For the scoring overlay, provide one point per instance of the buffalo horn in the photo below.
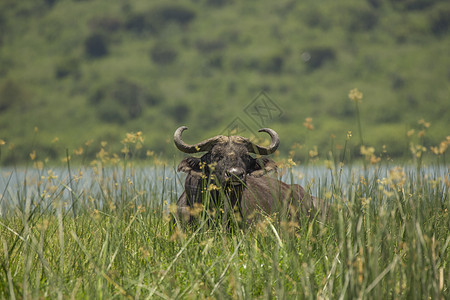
(205, 145)
(254, 148)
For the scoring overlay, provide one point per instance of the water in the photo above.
(86, 186)
(20, 187)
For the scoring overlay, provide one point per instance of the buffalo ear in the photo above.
(189, 164)
(261, 166)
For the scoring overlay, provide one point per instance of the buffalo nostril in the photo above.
(235, 172)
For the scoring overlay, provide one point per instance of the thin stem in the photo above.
(358, 119)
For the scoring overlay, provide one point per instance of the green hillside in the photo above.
(95, 70)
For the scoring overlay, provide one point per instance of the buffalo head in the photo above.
(228, 160)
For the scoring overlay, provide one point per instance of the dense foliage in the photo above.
(81, 70)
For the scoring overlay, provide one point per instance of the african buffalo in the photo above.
(234, 174)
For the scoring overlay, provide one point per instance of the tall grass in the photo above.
(387, 237)
(107, 231)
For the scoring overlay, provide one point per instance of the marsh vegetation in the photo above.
(106, 230)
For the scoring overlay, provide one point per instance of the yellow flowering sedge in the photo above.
(308, 124)
(355, 95)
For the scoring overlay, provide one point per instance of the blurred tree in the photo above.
(219, 3)
(413, 4)
(207, 46)
(155, 20)
(69, 66)
(440, 20)
(10, 93)
(121, 101)
(361, 19)
(163, 54)
(315, 57)
(174, 13)
(179, 112)
(95, 45)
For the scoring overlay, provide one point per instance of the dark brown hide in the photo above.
(270, 195)
(241, 181)
(259, 194)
